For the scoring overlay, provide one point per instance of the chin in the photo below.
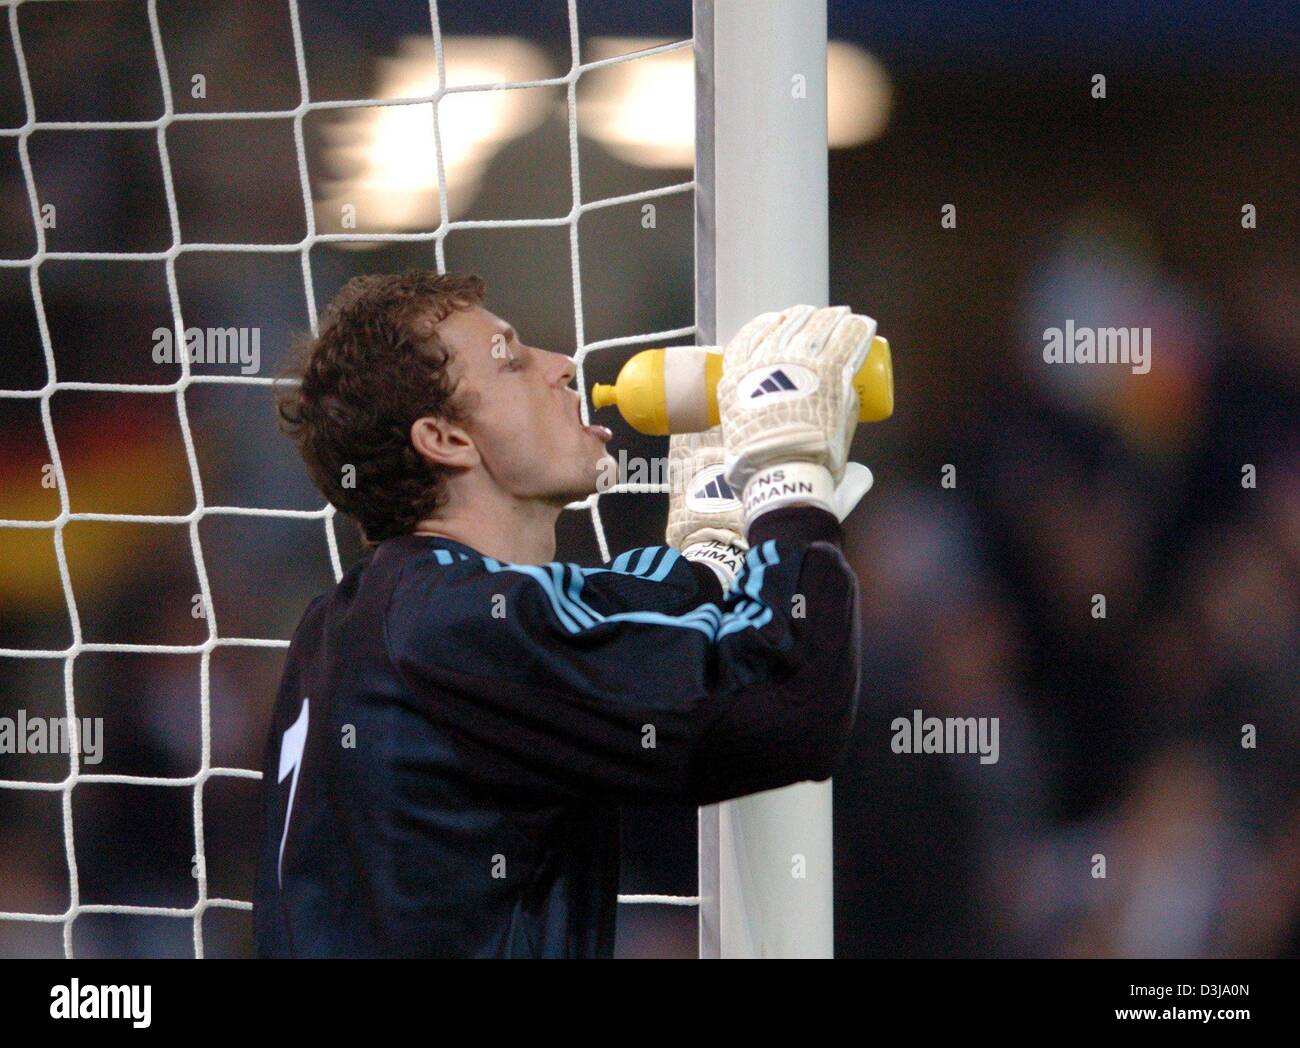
(596, 477)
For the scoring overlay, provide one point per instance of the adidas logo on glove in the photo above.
(710, 492)
(768, 385)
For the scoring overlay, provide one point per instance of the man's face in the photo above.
(523, 414)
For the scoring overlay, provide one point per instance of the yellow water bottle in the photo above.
(675, 390)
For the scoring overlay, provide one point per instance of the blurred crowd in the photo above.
(1009, 492)
(1162, 737)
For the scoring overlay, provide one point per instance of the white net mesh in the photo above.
(178, 389)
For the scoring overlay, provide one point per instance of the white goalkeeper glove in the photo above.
(705, 518)
(788, 407)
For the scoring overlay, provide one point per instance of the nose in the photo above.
(568, 369)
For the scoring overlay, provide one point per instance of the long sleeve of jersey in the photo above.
(640, 680)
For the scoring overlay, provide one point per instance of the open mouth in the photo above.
(601, 433)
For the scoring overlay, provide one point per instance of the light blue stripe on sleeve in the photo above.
(575, 614)
(563, 610)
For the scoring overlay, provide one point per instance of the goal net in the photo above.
(402, 174)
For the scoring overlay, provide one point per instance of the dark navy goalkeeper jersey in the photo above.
(453, 735)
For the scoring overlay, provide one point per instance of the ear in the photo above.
(443, 443)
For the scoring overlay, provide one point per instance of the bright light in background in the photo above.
(859, 97)
(643, 111)
(382, 159)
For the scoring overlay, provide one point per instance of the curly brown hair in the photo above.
(348, 397)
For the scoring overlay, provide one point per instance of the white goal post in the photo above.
(761, 243)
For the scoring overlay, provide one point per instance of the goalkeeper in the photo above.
(461, 716)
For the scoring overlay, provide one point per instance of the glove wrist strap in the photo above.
(723, 559)
(788, 484)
